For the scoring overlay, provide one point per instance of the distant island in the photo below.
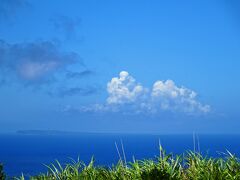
(57, 132)
(46, 132)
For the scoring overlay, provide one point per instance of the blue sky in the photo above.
(120, 66)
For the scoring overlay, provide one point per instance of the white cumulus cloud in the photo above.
(124, 89)
(163, 96)
(125, 94)
(167, 96)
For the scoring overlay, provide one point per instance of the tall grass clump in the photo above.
(192, 166)
(2, 174)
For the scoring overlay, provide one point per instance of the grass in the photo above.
(192, 166)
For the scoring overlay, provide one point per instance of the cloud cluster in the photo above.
(35, 62)
(41, 63)
(125, 94)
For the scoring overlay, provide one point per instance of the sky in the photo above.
(137, 66)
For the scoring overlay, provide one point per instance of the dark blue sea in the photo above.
(21, 153)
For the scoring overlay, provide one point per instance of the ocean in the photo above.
(22, 153)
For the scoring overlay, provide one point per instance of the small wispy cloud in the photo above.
(82, 74)
(8, 8)
(74, 91)
(68, 26)
(125, 94)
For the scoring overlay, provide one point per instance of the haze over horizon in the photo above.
(120, 66)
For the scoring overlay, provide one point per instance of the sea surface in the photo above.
(24, 153)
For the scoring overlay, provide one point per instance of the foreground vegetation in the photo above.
(192, 166)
